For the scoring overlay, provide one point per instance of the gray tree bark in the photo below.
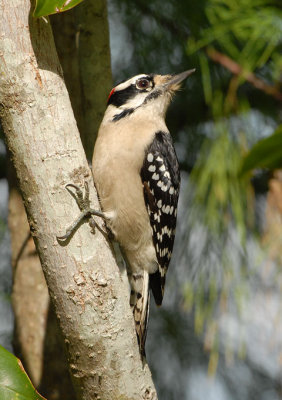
(37, 338)
(87, 289)
(82, 41)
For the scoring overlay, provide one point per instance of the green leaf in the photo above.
(14, 382)
(47, 7)
(267, 153)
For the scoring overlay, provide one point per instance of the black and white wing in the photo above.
(161, 180)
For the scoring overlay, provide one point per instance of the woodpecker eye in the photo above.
(143, 83)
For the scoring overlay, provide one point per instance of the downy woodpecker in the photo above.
(136, 174)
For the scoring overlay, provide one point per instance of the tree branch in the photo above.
(236, 69)
(82, 41)
(214, 55)
(88, 291)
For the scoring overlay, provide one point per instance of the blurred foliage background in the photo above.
(218, 335)
(223, 300)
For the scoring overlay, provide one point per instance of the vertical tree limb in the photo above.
(81, 36)
(89, 294)
(82, 41)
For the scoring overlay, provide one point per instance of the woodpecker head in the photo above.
(143, 93)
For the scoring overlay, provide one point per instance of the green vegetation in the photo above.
(14, 382)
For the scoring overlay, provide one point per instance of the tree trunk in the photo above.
(82, 40)
(88, 292)
(81, 35)
(36, 335)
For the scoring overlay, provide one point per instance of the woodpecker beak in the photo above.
(173, 81)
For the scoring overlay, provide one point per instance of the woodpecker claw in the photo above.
(83, 203)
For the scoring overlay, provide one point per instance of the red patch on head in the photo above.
(111, 93)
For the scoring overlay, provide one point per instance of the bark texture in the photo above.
(88, 291)
(37, 339)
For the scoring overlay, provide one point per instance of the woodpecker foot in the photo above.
(83, 203)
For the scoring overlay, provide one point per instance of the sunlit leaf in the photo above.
(267, 153)
(47, 7)
(14, 382)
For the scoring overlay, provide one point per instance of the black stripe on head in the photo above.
(120, 97)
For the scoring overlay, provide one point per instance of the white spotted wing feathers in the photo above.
(161, 180)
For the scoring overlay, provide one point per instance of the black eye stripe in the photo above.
(121, 97)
